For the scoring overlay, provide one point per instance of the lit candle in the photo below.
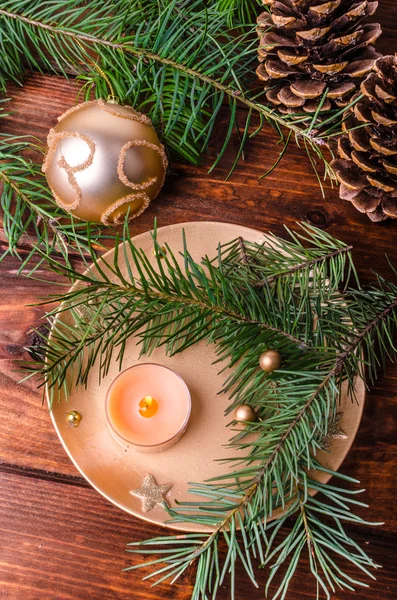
(148, 406)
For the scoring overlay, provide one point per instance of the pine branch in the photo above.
(326, 541)
(366, 332)
(233, 93)
(29, 210)
(170, 297)
(304, 265)
(311, 260)
(254, 486)
(239, 12)
(316, 524)
(367, 306)
(346, 363)
(181, 73)
(253, 492)
(210, 306)
(177, 303)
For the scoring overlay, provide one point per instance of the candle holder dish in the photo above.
(174, 403)
(116, 469)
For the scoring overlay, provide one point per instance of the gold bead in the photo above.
(104, 160)
(74, 418)
(270, 361)
(245, 413)
(161, 253)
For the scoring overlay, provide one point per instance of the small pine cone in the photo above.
(367, 169)
(307, 46)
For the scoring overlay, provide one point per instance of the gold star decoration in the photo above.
(151, 494)
(334, 432)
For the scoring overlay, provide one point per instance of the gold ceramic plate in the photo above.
(114, 470)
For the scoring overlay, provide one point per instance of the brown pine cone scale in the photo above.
(367, 167)
(310, 46)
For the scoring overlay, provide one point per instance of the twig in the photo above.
(244, 257)
(304, 265)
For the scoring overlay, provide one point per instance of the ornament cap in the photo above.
(113, 100)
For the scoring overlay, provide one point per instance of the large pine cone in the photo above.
(367, 169)
(307, 46)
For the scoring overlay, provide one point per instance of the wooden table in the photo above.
(59, 538)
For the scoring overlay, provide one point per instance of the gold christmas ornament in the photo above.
(245, 413)
(151, 494)
(270, 361)
(74, 418)
(102, 160)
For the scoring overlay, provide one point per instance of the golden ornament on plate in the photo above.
(104, 159)
(270, 361)
(151, 494)
(74, 418)
(161, 253)
(245, 413)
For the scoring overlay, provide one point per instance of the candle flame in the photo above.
(148, 406)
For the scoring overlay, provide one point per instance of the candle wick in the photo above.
(148, 400)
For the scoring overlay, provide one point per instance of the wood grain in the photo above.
(59, 538)
(74, 547)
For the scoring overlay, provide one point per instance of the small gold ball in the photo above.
(74, 418)
(245, 413)
(161, 253)
(270, 361)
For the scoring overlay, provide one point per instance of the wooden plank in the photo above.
(21, 406)
(68, 543)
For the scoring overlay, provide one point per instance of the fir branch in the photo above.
(255, 485)
(374, 312)
(181, 73)
(29, 210)
(328, 545)
(304, 265)
(311, 256)
(310, 508)
(211, 306)
(360, 338)
(239, 12)
(325, 541)
(253, 493)
(179, 302)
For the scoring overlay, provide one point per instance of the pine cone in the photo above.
(314, 45)
(367, 169)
